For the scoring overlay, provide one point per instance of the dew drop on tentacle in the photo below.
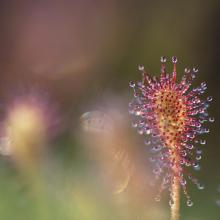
(174, 59)
(201, 120)
(193, 76)
(197, 167)
(206, 130)
(189, 146)
(136, 94)
(141, 67)
(140, 131)
(187, 163)
(147, 142)
(211, 119)
(187, 70)
(148, 131)
(134, 124)
(183, 181)
(209, 99)
(203, 142)
(203, 84)
(141, 123)
(183, 153)
(157, 198)
(132, 84)
(200, 186)
(182, 161)
(171, 202)
(163, 59)
(157, 148)
(195, 69)
(137, 112)
(198, 157)
(189, 202)
(199, 151)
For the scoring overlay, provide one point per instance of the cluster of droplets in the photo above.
(171, 116)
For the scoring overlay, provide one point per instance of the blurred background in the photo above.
(67, 148)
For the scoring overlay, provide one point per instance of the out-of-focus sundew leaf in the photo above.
(97, 122)
(105, 131)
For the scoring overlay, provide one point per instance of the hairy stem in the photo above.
(175, 207)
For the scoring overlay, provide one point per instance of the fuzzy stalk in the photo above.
(175, 207)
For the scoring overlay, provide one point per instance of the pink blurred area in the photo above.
(57, 39)
(60, 46)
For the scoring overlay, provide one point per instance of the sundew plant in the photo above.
(172, 116)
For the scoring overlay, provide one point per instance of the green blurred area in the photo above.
(83, 54)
